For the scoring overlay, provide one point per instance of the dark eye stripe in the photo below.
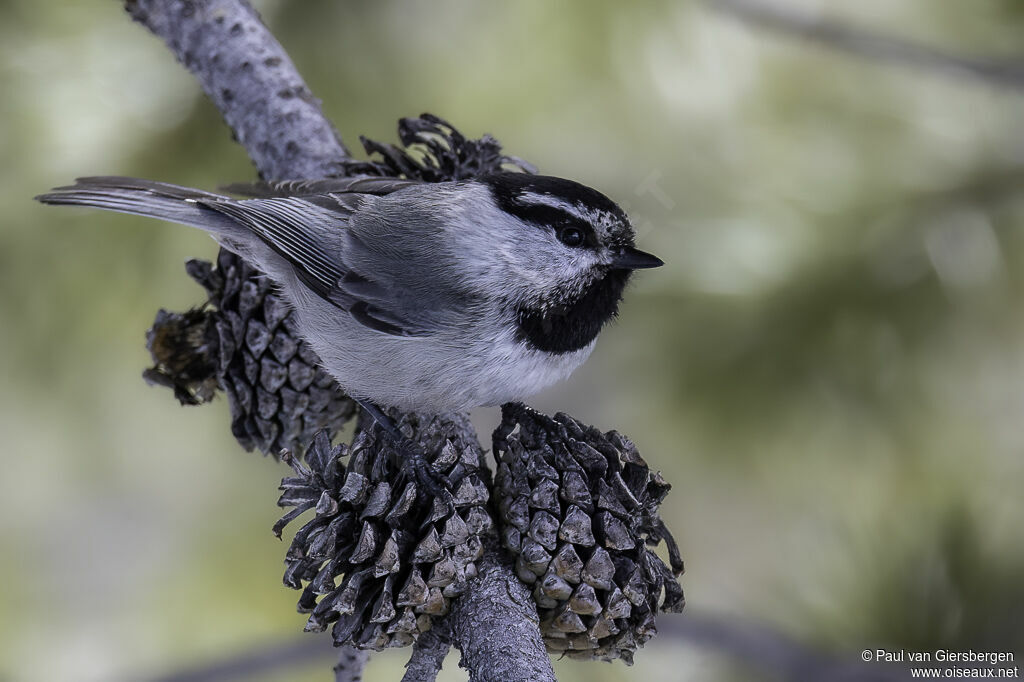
(509, 187)
(524, 196)
(549, 217)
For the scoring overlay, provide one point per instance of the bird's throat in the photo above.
(568, 328)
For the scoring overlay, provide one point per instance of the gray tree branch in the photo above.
(251, 80)
(264, 100)
(252, 664)
(428, 654)
(501, 605)
(868, 44)
(351, 662)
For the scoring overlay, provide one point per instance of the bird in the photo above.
(419, 296)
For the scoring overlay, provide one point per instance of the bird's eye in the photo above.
(571, 236)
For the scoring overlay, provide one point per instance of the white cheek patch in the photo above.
(511, 260)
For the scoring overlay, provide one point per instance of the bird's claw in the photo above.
(412, 460)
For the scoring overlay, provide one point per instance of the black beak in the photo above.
(629, 258)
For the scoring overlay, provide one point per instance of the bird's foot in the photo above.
(412, 461)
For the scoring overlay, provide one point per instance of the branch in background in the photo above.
(756, 646)
(428, 654)
(865, 43)
(250, 78)
(770, 652)
(255, 663)
(351, 662)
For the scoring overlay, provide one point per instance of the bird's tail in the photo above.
(145, 198)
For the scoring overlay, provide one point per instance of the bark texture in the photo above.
(496, 627)
(351, 662)
(428, 654)
(251, 79)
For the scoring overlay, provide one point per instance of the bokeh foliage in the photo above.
(830, 370)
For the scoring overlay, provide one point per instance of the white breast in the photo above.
(477, 365)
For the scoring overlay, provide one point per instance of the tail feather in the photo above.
(144, 198)
(268, 233)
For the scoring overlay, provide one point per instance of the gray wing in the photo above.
(306, 222)
(400, 264)
(354, 270)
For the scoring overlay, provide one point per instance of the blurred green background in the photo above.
(830, 370)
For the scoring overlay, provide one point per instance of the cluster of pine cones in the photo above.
(378, 560)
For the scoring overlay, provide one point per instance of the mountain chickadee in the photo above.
(420, 296)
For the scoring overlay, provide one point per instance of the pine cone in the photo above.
(245, 342)
(577, 508)
(401, 556)
(434, 151)
(184, 348)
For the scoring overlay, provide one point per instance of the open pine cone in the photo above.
(578, 509)
(433, 150)
(400, 555)
(244, 341)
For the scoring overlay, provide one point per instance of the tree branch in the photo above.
(264, 100)
(428, 653)
(864, 43)
(495, 626)
(250, 78)
(351, 662)
(768, 651)
(254, 663)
